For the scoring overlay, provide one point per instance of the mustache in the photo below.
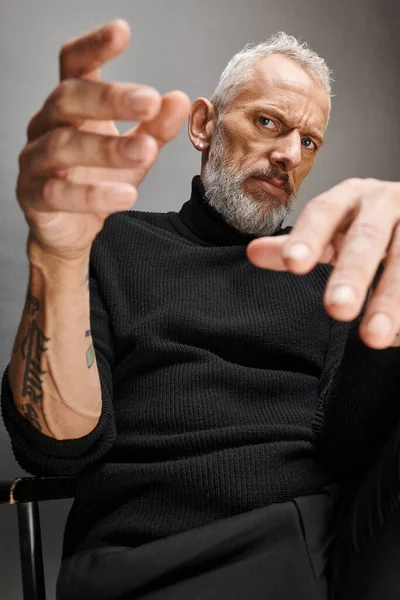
(271, 172)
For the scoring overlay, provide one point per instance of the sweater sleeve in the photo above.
(44, 456)
(359, 402)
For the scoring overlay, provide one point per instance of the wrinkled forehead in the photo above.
(282, 82)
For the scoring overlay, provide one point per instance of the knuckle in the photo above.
(57, 139)
(91, 194)
(64, 54)
(106, 152)
(49, 190)
(107, 95)
(320, 209)
(58, 102)
(382, 200)
(366, 229)
(352, 273)
(389, 296)
(324, 200)
(319, 201)
(111, 152)
(353, 181)
(23, 159)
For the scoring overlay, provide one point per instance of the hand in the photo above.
(355, 226)
(76, 169)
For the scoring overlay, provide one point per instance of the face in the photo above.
(264, 145)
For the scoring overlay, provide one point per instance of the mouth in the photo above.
(273, 186)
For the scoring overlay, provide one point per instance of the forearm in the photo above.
(53, 372)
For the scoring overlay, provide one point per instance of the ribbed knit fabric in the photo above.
(225, 387)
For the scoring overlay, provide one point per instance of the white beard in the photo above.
(226, 194)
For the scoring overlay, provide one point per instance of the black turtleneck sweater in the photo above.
(225, 387)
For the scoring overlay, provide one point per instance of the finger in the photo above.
(82, 57)
(56, 194)
(321, 218)
(163, 128)
(364, 246)
(381, 321)
(65, 147)
(166, 125)
(168, 122)
(75, 101)
(266, 253)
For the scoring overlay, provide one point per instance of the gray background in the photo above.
(183, 44)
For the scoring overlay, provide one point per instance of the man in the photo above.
(221, 416)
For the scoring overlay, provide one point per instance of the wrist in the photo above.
(57, 273)
(50, 260)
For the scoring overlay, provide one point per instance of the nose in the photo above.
(286, 152)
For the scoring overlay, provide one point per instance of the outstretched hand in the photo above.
(76, 169)
(355, 226)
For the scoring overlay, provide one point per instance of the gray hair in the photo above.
(240, 67)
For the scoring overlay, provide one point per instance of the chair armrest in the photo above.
(36, 489)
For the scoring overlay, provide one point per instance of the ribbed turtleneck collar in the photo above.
(200, 222)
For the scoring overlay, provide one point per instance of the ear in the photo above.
(202, 120)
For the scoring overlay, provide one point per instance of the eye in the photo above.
(266, 123)
(308, 143)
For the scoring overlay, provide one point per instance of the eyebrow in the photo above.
(276, 113)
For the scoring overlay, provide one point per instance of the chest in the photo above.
(214, 299)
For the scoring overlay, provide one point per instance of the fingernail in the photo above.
(132, 150)
(380, 324)
(343, 294)
(297, 251)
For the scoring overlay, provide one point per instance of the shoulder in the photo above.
(132, 225)
(135, 218)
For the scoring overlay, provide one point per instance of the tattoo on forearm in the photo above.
(30, 414)
(32, 349)
(90, 356)
(33, 304)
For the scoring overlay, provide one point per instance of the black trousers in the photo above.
(364, 561)
(339, 544)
